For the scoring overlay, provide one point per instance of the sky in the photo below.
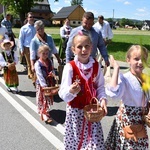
(129, 9)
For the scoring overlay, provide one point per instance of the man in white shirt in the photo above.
(3, 33)
(27, 33)
(104, 26)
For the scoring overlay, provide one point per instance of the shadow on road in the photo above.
(58, 115)
(28, 93)
(112, 110)
(57, 99)
(22, 72)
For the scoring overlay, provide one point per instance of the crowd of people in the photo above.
(82, 79)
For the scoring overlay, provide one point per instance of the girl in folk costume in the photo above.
(82, 79)
(43, 69)
(65, 33)
(127, 87)
(8, 60)
(41, 38)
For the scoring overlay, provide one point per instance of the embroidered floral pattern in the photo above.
(115, 139)
(73, 131)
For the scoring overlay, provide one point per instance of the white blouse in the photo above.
(128, 90)
(2, 60)
(67, 80)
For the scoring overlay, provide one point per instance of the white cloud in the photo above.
(59, 3)
(93, 11)
(142, 12)
(67, 1)
(127, 3)
(56, 9)
(141, 9)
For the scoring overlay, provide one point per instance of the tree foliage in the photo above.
(20, 7)
(76, 2)
(125, 21)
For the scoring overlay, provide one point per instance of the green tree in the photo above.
(125, 21)
(20, 7)
(109, 20)
(76, 2)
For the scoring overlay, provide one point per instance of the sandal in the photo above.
(49, 120)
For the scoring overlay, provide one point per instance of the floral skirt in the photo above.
(43, 103)
(81, 134)
(11, 78)
(126, 115)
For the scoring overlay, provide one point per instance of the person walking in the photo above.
(65, 31)
(81, 81)
(41, 38)
(44, 69)
(8, 61)
(127, 88)
(7, 23)
(97, 40)
(27, 33)
(3, 33)
(104, 27)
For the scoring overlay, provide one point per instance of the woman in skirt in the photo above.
(128, 88)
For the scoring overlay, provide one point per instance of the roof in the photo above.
(65, 12)
(148, 22)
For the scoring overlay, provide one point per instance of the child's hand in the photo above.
(104, 105)
(75, 88)
(11, 66)
(50, 74)
(32, 68)
(113, 62)
(149, 113)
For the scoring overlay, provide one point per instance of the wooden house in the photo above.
(73, 13)
(43, 12)
(146, 25)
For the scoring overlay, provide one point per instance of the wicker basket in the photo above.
(50, 91)
(93, 112)
(11, 66)
(146, 119)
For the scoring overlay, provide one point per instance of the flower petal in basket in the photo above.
(93, 112)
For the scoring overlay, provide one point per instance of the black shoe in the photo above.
(8, 89)
(102, 66)
(49, 121)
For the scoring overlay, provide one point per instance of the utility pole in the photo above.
(4, 11)
(113, 14)
(113, 18)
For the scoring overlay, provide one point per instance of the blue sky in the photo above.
(131, 9)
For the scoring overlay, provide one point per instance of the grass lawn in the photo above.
(121, 43)
(122, 40)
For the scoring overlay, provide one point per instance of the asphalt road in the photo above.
(21, 127)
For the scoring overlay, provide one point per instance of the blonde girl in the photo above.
(82, 79)
(127, 88)
(43, 68)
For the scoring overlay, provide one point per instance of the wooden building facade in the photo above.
(73, 13)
